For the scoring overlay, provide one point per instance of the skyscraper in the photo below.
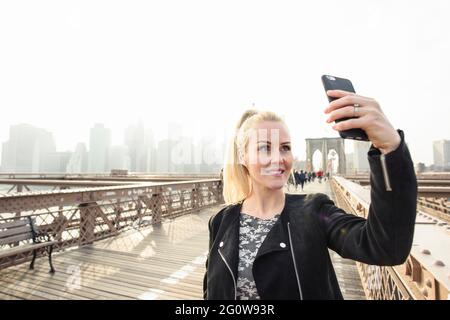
(56, 162)
(163, 164)
(151, 152)
(140, 143)
(78, 162)
(99, 144)
(166, 159)
(119, 158)
(26, 149)
(441, 154)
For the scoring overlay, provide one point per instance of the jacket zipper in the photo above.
(385, 173)
(295, 264)
(232, 275)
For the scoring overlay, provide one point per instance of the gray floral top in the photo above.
(252, 232)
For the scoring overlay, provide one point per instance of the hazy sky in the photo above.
(65, 65)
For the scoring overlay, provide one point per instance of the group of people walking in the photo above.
(302, 177)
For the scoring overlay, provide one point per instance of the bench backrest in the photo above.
(15, 231)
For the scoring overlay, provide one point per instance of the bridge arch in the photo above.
(325, 145)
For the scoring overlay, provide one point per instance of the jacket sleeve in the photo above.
(386, 237)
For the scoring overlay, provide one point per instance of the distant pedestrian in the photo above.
(296, 179)
(320, 175)
(302, 178)
(290, 181)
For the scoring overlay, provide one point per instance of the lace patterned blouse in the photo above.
(252, 232)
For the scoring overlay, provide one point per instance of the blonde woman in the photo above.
(266, 244)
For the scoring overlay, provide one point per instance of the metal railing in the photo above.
(28, 182)
(420, 277)
(438, 207)
(80, 217)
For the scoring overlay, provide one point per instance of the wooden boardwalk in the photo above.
(166, 262)
(155, 262)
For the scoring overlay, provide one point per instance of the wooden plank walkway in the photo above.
(165, 262)
(155, 262)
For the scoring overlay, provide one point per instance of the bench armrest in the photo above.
(42, 237)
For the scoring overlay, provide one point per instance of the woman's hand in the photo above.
(370, 118)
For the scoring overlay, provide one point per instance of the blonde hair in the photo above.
(237, 184)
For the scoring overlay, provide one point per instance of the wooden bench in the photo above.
(12, 233)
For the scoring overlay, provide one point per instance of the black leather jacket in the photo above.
(293, 262)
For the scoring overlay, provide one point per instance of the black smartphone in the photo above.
(336, 83)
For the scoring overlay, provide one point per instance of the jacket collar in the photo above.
(276, 240)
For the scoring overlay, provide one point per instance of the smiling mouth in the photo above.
(274, 172)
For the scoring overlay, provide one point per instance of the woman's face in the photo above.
(268, 157)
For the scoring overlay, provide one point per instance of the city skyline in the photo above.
(30, 148)
(69, 66)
